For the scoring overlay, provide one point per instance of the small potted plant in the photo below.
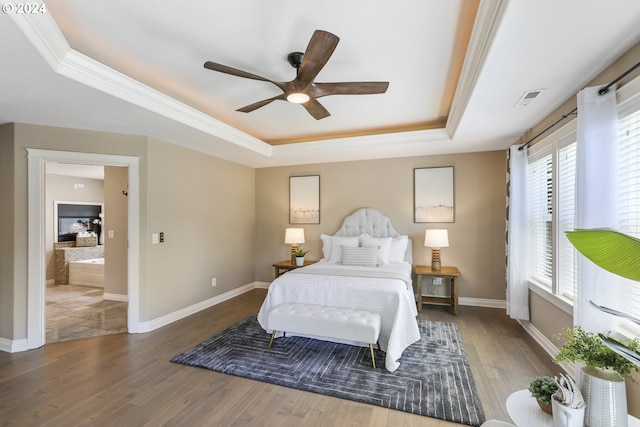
(542, 388)
(602, 376)
(299, 254)
(590, 350)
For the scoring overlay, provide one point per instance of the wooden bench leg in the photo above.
(273, 334)
(373, 356)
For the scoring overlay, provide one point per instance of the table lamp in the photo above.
(294, 236)
(436, 239)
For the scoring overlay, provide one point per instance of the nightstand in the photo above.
(451, 273)
(284, 266)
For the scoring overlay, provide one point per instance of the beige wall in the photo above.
(7, 206)
(476, 237)
(115, 220)
(204, 205)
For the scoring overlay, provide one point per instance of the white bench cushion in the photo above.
(329, 322)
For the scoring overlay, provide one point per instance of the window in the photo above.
(629, 203)
(566, 201)
(551, 183)
(551, 198)
(540, 199)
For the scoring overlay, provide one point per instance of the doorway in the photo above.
(36, 248)
(85, 251)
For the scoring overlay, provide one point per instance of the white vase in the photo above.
(564, 416)
(101, 237)
(299, 261)
(605, 393)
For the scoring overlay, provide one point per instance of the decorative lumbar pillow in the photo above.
(337, 243)
(398, 249)
(383, 244)
(366, 256)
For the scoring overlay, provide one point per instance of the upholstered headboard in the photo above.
(375, 224)
(367, 220)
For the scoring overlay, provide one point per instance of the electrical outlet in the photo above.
(437, 280)
(213, 282)
(154, 239)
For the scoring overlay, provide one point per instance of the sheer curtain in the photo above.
(596, 201)
(517, 258)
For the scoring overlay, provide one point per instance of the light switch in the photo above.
(155, 239)
(111, 234)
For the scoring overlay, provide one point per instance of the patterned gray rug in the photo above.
(434, 378)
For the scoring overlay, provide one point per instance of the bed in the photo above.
(366, 265)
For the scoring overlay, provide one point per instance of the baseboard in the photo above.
(115, 297)
(262, 285)
(546, 344)
(483, 302)
(188, 311)
(13, 346)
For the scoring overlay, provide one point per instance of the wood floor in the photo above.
(127, 380)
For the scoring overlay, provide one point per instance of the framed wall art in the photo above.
(304, 199)
(433, 195)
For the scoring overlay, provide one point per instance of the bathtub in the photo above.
(88, 272)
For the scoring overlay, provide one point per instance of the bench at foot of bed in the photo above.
(327, 322)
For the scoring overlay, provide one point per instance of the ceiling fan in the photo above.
(303, 90)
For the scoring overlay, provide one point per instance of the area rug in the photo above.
(434, 378)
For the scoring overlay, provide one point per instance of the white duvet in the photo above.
(392, 298)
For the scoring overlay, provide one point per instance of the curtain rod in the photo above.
(572, 112)
(603, 90)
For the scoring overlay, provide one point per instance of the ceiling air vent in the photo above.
(528, 97)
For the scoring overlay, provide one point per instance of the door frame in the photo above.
(36, 282)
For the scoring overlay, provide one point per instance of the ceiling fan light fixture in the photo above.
(298, 97)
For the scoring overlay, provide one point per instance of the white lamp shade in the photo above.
(293, 236)
(436, 239)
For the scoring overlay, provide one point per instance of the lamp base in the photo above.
(436, 265)
(294, 248)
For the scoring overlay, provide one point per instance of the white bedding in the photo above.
(392, 298)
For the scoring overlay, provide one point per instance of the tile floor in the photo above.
(74, 312)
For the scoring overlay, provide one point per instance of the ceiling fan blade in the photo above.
(319, 50)
(234, 72)
(256, 105)
(316, 109)
(349, 88)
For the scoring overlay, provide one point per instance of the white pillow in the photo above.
(326, 246)
(382, 243)
(366, 256)
(398, 249)
(336, 247)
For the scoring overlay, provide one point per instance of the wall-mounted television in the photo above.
(73, 218)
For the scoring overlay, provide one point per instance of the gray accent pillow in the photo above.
(366, 256)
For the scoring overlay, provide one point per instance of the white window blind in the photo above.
(565, 208)
(540, 184)
(629, 200)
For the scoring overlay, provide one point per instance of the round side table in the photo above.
(525, 412)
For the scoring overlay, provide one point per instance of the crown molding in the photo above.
(486, 25)
(398, 144)
(42, 31)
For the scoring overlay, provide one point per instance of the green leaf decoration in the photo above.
(609, 249)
